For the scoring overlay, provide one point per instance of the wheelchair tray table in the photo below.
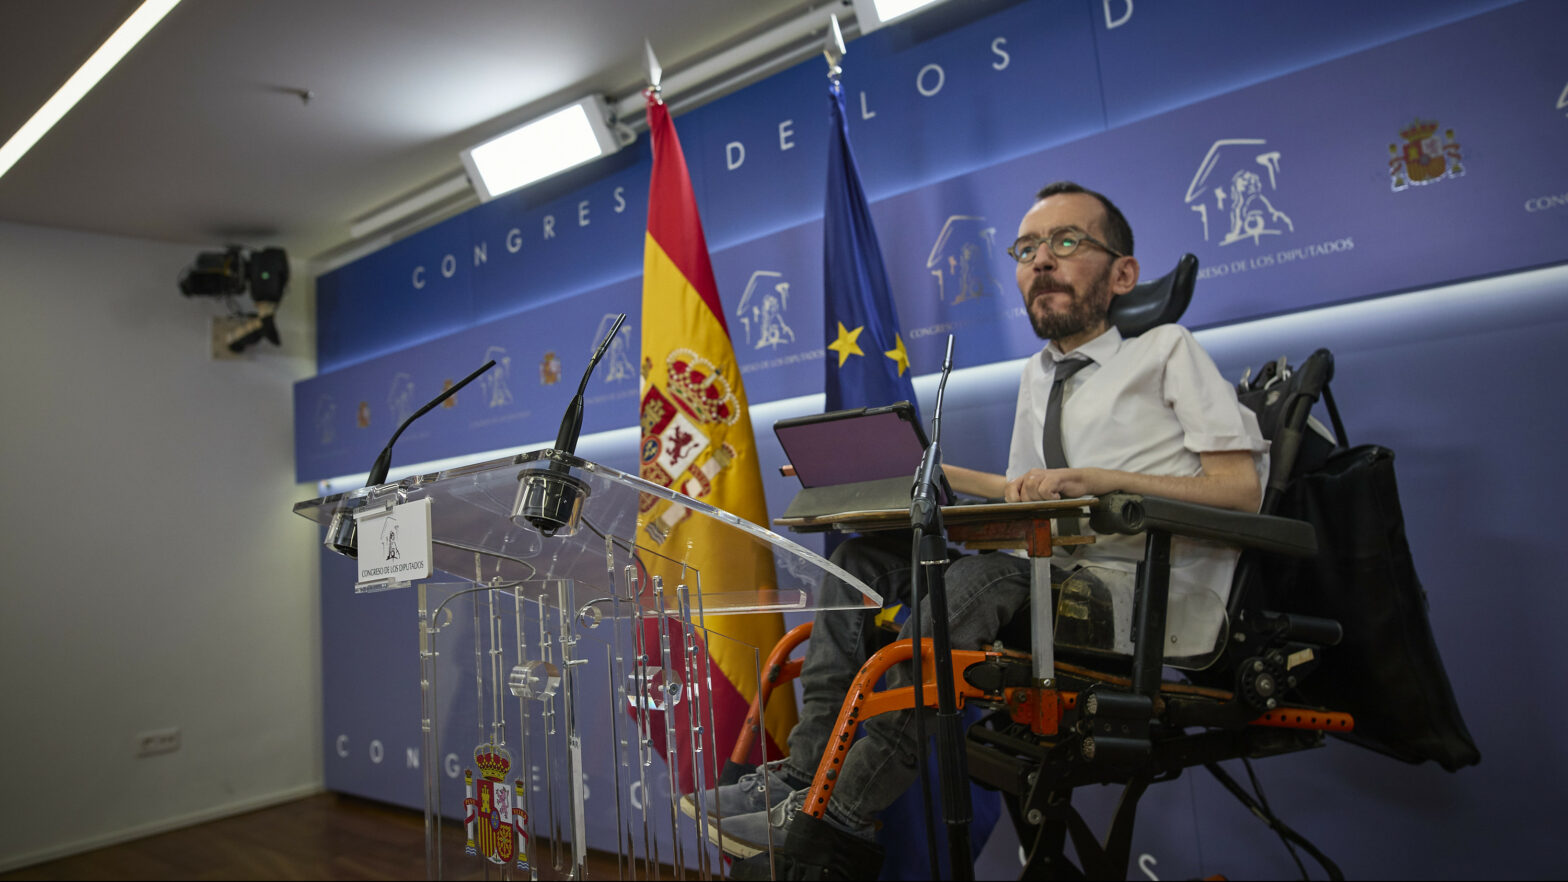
(1020, 525)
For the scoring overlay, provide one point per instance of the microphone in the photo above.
(342, 532)
(549, 499)
(930, 471)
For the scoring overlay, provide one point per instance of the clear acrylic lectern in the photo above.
(565, 650)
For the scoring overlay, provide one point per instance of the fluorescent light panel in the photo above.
(108, 55)
(546, 146)
(873, 14)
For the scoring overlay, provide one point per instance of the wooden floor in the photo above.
(328, 836)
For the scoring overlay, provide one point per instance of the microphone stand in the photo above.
(925, 515)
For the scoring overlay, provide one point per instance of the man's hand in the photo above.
(1038, 484)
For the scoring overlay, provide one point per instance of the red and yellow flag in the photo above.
(697, 439)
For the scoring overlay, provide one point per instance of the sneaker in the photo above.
(747, 795)
(812, 848)
(748, 835)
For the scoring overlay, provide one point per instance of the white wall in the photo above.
(153, 575)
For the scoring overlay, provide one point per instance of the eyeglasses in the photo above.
(1063, 243)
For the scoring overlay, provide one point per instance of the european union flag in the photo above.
(867, 364)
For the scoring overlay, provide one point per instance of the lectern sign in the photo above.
(394, 544)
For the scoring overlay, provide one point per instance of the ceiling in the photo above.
(204, 134)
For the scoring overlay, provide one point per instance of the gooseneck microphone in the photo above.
(378, 472)
(572, 422)
(550, 499)
(342, 532)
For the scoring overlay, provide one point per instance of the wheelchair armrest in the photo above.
(1135, 513)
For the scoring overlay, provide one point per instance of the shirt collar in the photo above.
(1098, 350)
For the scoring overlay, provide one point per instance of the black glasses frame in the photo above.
(1063, 243)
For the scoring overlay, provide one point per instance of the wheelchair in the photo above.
(1074, 720)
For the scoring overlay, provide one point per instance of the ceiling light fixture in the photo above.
(108, 55)
(559, 140)
(873, 14)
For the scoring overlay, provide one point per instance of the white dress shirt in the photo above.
(1150, 404)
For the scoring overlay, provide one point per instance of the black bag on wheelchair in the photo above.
(1387, 671)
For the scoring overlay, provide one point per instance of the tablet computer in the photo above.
(860, 444)
(861, 459)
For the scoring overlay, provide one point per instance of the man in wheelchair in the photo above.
(1096, 413)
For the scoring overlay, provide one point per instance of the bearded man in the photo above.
(1149, 415)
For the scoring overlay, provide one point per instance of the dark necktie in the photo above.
(1052, 437)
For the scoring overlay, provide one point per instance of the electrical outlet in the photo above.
(157, 741)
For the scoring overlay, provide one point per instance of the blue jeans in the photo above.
(983, 592)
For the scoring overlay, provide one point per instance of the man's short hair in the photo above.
(1118, 234)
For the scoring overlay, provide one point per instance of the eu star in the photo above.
(845, 345)
(899, 354)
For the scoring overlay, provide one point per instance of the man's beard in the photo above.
(1087, 309)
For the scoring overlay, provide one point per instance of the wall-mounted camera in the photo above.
(234, 272)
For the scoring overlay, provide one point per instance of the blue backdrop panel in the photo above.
(928, 100)
(1293, 193)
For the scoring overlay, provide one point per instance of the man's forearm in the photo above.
(1223, 491)
(1229, 480)
(973, 482)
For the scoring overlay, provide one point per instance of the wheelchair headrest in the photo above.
(1158, 302)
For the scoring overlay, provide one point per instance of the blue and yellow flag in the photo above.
(867, 364)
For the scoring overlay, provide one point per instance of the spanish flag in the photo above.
(697, 439)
